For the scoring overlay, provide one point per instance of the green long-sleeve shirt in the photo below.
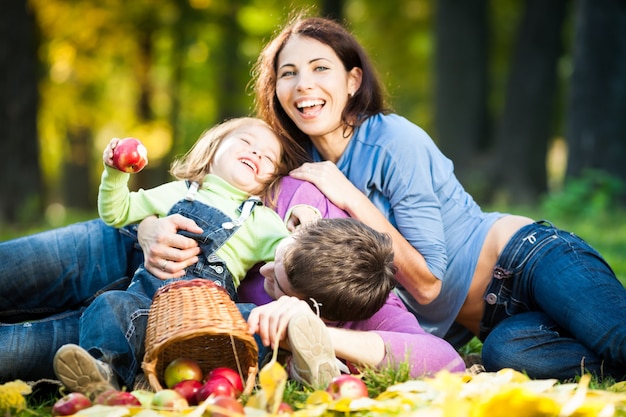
(254, 242)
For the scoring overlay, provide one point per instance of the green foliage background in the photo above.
(165, 70)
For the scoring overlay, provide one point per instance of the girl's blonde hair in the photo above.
(196, 163)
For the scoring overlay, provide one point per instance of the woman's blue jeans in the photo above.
(47, 280)
(554, 308)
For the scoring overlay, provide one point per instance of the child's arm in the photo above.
(113, 193)
(301, 214)
(118, 206)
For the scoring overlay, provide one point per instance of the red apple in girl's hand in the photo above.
(130, 155)
(70, 404)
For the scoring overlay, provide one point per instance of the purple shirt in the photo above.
(404, 338)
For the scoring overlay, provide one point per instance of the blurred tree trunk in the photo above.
(77, 189)
(20, 192)
(332, 9)
(526, 126)
(153, 175)
(461, 86)
(230, 67)
(596, 122)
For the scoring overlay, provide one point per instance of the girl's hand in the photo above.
(270, 321)
(302, 214)
(107, 155)
(166, 253)
(330, 180)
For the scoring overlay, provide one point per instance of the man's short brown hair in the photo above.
(342, 265)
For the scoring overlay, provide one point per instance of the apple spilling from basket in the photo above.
(186, 386)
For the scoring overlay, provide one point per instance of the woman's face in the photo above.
(313, 86)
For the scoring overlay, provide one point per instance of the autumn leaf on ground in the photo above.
(12, 395)
(272, 381)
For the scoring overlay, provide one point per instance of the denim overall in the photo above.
(217, 229)
(113, 327)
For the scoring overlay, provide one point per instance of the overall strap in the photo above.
(192, 190)
(245, 209)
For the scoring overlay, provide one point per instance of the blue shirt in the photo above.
(401, 170)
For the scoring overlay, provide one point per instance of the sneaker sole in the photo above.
(312, 350)
(79, 371)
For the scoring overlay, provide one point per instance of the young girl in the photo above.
(220, 181)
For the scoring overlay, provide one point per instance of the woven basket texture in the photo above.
(196, 319)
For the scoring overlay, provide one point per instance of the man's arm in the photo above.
(167, 253)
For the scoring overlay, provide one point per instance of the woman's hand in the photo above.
(166, 253)
(270, 321)
(330, 180)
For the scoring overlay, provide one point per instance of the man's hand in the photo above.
(270, 320)
(166, 253)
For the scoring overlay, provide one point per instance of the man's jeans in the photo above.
(554, 307)
(47, 280)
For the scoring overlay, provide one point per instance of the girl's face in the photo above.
(247, 157)
(313, 86)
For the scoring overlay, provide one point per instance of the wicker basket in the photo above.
(196, 319)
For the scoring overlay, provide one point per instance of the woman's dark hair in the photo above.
(368, 100)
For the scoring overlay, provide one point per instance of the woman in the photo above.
(540, 299)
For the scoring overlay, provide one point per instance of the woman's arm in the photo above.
(166, 253)
(413, 272)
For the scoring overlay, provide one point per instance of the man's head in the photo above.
(342, 265)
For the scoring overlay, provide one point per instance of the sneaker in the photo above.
(81, 372)
(313, 357)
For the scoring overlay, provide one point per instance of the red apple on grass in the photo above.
(130, 155)
(216, 386)
(230, 374)
(115, 397)
(188, 389)
(168, 399)
(284, 408)
(70, 404)
(347, 386)
(181, 369)
(229, 405)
